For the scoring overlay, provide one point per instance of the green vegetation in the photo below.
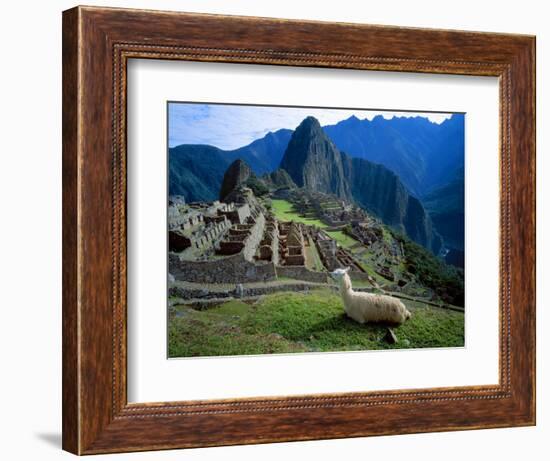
(298, 322)
(257, 185)
(447, 281)
(313, 260)
(386, 235)
(344, 240)
(196, 180)
(284, 211)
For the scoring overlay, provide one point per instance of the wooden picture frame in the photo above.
(97, 43)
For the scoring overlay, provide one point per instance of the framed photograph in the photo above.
(281, 230)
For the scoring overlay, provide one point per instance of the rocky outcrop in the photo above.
(235, 176)
(314, 162)
(279, 179)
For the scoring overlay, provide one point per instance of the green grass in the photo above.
(299, 322)
(313, 260)
(343, 240)
(284, 211)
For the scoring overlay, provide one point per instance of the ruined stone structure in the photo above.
(196, 237)
(243, 237)
(195, 229)
(385, 272)
(185, 217)
(333, 256)
(230, 269)
(302, 273)
(241, 242)
(367, 232)
(237, 214)
(269, 245)
(332, 211)
(218, 242)
(235, 240)
(345, 259)
(291, 245)
(343, 216)
(178, 241)
(327, 250)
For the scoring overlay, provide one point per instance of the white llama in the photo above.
(368, 307)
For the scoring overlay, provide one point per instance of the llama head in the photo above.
(342, 277)
(339, 273)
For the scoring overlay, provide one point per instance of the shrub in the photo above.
(447, 281)
(257, 185)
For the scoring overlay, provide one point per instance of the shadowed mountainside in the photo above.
(196, 171)
(446, 207)
(424, 155)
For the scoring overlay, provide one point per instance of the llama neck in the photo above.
(346, 288)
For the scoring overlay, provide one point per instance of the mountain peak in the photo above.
(236, 174)
(352, 120)
(313, 162)
(309, 123)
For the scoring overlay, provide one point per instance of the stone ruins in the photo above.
(242, 241)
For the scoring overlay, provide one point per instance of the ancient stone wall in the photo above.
(203, 298)
(275, 247)
(229, 247)
(232, 269)
(294, 260)
(360, 277)
(254, 238)
(302, 273)
(327, 250)
(269, 245)
(237, 215)
(207, 236)
(177, 241)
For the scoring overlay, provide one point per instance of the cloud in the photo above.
(233, 126)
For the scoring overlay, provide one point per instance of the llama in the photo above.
(367, 307)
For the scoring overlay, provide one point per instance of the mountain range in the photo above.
(418, 163)
(425, 155)
(196, 171)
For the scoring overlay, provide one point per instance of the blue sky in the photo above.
(233, 126)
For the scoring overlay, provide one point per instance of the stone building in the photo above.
(269, 245)
(291, 246)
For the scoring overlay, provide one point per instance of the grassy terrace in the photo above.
(298, 322)
(344, 240)
(313, 260)
(284, 211)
